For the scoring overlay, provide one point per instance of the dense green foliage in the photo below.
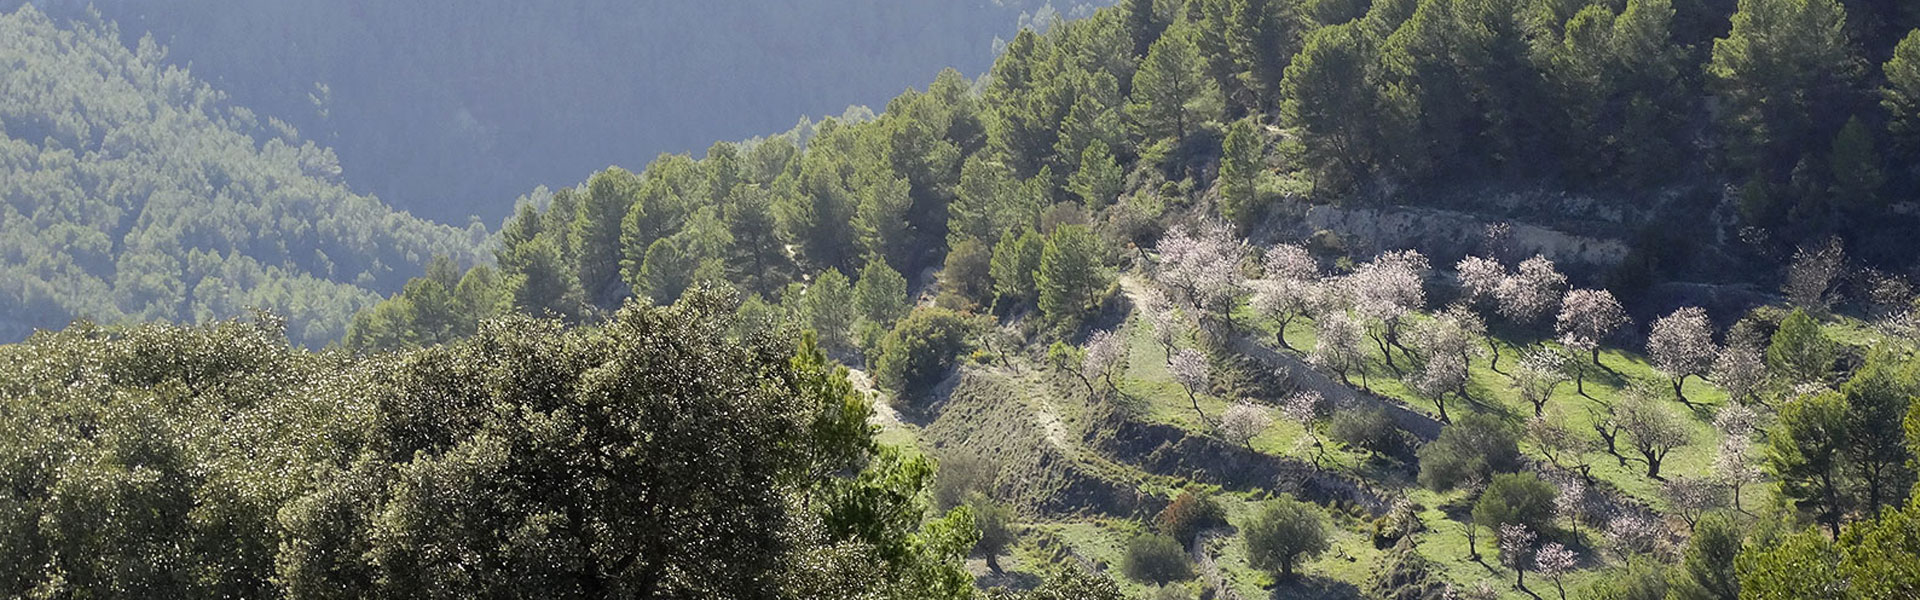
(1284, 532)
(658, 456)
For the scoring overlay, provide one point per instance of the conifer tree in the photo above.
(1070, 275)
(1240, 174)
(1170, 95)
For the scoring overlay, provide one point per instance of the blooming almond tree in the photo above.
(1284, 300)
(1304, 407)
(1243, 422)
(1338, 346)
(1692, 497)
(1632, 533)
(1163, 318)
(1554, 561)
(1740, 369)
(1191, 371)
(1105, 353)
(1652, 430)
(1479, 279)
(1572, 501)
(1681, 346)
(1540, 372)
(1530, 292)
(1734, 467)
(1200, 267)
(1290, 262)
(1516, 551)
(1587, 318)
(1387, 289)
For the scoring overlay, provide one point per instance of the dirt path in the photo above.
(883, 413)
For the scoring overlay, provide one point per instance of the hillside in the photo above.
(450, 110)
(134, 192)
(1405, 300)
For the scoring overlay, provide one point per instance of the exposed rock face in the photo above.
(1446, 233)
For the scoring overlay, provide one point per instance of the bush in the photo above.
(921, 349)
(1473, 448)
(960, 474)
(995, 524)
(1368, 429)
(1188, 515)
(1285, 532)
(1155, 558)
(1516, 499)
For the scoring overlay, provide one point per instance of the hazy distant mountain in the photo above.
(451, 109)
(130, 191)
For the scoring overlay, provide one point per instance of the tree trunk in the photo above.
(1281, 336)
(1384, 352)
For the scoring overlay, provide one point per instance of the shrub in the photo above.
(1285, 532)
(1188, 515)
(1473, 448)
(1516, 499)
(920, 350)
(960, 474)
(1155, 558)
(1370, 429)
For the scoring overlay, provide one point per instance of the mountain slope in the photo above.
(131, 191)
(451, 109)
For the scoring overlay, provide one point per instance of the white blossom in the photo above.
(1105, 353)
(1303, 407)
(1290, 262)
(1190, 370)
(1554, 560)
(1541, 371)
(1811, 275)
(1201, 267)
(1736, 420)
(1740, 369)
(1588, 317)
(1479, 278)
(1243, 422)
(1338, 346)
(1681, 344)
(1530, 292)
(1390, 286)
(1633, 533)
(1516, 542)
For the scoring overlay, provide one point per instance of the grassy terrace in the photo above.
(1150, 390)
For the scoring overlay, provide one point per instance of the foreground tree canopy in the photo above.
(660, 455)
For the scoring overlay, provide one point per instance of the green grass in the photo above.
(1148, 389)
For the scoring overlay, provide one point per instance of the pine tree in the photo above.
(880, 296)
(1855, 168)
(1170, 95)
(1015, 258)
(666, 271)
(1901, 96)
(1144, 24)
(1785, 67)
(597, 235)
(1240, 168)
(1070, 275)
(1328, 96)
(1099, 180)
